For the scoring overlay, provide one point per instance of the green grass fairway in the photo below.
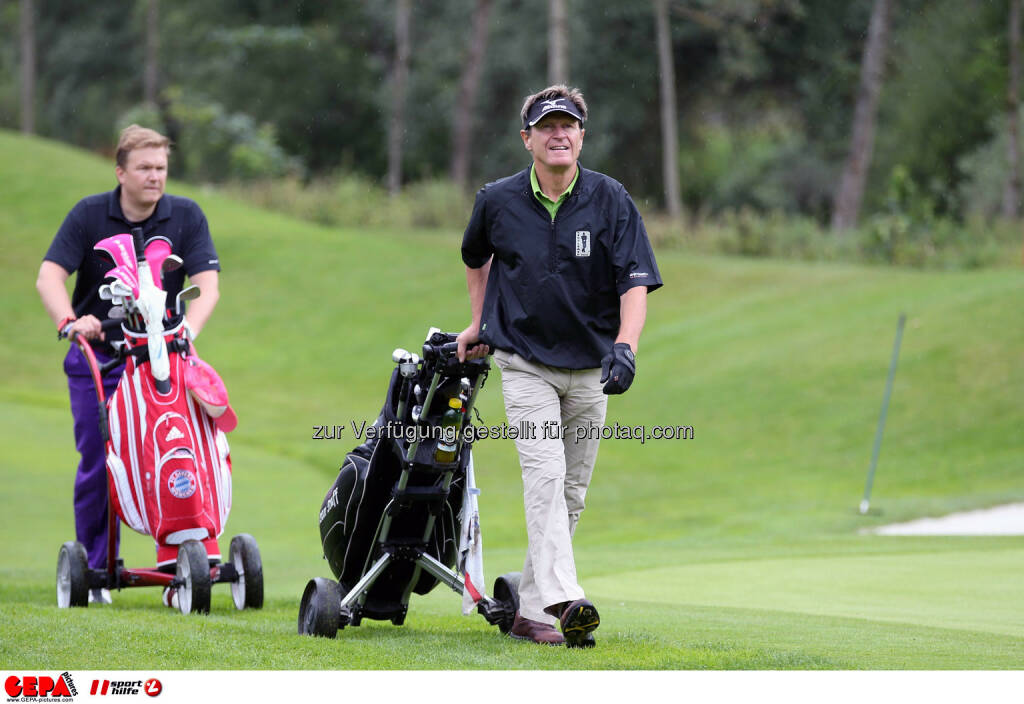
(738, 549)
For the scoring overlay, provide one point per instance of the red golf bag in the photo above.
(168, 463)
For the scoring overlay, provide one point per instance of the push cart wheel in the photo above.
(506, 591)
(193, 570)
(320, 609)
(244, 554)
(72, 575)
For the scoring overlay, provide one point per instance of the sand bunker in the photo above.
(1000, 520)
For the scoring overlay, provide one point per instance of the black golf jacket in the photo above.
(554, 285)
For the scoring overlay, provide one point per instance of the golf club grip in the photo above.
(140, 243)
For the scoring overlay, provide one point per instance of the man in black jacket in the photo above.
(558, 266)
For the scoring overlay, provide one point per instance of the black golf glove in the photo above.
(618, 368)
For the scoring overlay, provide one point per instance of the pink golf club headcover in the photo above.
(126, 276)
(157, 250)
(208, 389)
(121, 249)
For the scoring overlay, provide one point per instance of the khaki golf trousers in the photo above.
(550, 403)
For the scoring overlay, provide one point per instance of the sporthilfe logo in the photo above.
(152, 687)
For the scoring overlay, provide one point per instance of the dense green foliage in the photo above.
(738, 549)
(908, 232)
(765, 92)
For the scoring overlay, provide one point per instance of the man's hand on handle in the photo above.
(88, 326)
(469, 343)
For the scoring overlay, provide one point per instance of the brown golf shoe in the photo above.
(579, 619)
(535, 631)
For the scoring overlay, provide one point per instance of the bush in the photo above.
(213, 145)
(437, 204)
(765, 167)
(886, 238)
(986, 171)
(352, 200)
(908, 234)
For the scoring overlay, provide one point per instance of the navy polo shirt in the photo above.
(97, 217)
(554, 285)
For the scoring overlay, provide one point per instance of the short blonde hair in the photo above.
(135, 137)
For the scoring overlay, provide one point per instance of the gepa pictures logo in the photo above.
(37, 687)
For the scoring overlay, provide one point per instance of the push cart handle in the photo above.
(97, 381)
(108, 324)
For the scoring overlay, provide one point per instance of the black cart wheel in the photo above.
(320, 609)
(506, 591)
(72, 575)
(193, 570)
(244, 554)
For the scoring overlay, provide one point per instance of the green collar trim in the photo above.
(551, 205)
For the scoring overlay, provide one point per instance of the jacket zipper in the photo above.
(552, 226)
(553, 245)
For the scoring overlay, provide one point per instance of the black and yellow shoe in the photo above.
(579, 620)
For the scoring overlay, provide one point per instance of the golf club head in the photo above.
(188, 294)
(105, 293)
(117, 313)
(407, 362)
(119, 288)
(409, 367)
(171, 263)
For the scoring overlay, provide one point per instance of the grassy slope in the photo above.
(737, 549)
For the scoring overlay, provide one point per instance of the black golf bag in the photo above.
(393, 521)
(352, 511)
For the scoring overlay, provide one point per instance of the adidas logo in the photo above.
(175, 434)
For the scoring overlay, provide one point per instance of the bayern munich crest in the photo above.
(182, 483)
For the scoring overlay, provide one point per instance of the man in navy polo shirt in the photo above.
(558, 266)
(138, 201)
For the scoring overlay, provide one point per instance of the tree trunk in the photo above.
(396, 127)
(27, 35)
(850, 193)
(558, 43)
(669, 120)
(465, 104)
(151, 76)
(1011, 193)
